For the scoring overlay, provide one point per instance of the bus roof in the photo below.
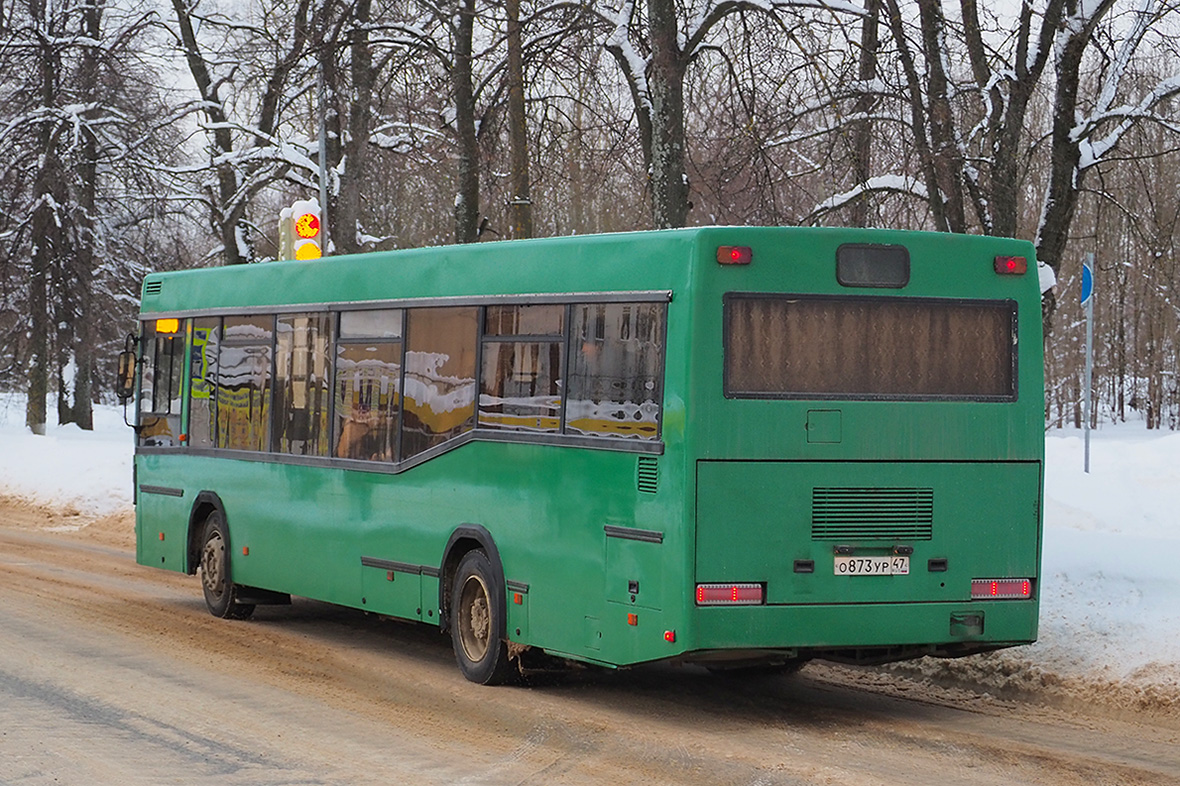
(631, 261)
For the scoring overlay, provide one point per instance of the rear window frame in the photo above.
(730, 392)
(846, 268)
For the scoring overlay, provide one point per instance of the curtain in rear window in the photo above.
(787, 346)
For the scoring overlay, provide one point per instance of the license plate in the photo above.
(872, 566)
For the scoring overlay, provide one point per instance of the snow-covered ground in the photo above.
(1110, 589)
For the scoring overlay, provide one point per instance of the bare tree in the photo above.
(246, 150)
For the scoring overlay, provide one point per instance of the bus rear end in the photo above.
(868, 445)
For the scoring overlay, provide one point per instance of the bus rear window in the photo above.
(790, 346)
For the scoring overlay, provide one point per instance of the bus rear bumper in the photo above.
(861, 633)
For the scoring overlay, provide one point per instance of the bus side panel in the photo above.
(547, 509)
(282, 524)
(161, 513)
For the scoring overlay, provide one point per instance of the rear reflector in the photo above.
(730, 594)
(734, 255)
(985, 589)
(1011, 266)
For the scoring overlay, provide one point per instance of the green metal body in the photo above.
(731, 492)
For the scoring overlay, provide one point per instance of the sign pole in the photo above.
(321, 99)
(1088, 304)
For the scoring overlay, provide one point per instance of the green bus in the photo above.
(733, 446)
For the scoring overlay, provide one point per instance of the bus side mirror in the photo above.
(125, 381)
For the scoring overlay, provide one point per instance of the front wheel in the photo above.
(477, 622)
(215, 576)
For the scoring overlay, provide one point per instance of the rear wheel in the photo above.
(215, 575)
(477, 622)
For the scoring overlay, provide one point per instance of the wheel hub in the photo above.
(212, 560)
(475, 619)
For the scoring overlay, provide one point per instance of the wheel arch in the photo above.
(466, 538)
(205, 503)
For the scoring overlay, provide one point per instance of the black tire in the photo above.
(477, 622)
(215, 573)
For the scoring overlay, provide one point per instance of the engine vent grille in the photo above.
(872, 513)
(153, 287)
(647, 474)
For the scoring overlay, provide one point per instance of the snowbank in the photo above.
(87, 472)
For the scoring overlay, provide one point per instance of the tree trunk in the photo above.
(521, 207)
(946, 161)
(48, 233)
(669, 181)
(467, 195)
(346, 219)
(918, 115)
(1065, 176)
(862, 165)
(82, 412)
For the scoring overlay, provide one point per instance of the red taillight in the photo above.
(1011, 266)
(734, 255)
(730, 594)
(986, 589)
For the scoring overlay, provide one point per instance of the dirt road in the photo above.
(112, 673)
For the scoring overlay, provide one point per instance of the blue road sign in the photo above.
(1087, 282)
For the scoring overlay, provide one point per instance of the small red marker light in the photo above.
(1011, 266)
(389, 575)
(734, 255)
(632, 619)
(517, 598)
(670, 636)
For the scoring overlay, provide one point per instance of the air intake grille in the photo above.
(153, 287)
(647, 474)
(872, 513)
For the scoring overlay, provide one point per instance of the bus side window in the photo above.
(440, 380)
(367, 385)
(520, 382)
(159, 392)
(202, 416)
(244, 384)
(302, 374)
(616, 370)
